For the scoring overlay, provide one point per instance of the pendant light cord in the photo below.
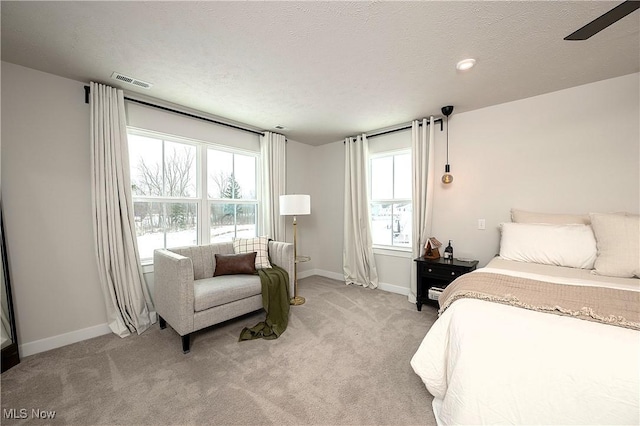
(447, 139)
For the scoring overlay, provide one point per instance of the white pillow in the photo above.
(618, 242)
(259, 244)
(573, 246)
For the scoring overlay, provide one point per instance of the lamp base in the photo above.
(298, 300)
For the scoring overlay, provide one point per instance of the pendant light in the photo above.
(447, 177)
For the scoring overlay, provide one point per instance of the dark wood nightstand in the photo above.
(438, 273)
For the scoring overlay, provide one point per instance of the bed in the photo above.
(500, 353)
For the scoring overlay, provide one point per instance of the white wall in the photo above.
(328, 207)
(149, 118)
(47, 205)
(572, 151)
(299, 180)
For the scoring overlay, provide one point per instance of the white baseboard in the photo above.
(391, 288)
(322, 273)
(42, 345)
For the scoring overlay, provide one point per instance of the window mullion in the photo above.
(393, 177)
(203, 205)
(164, 225)
(164, 199)
(164, 172)
(163, 192)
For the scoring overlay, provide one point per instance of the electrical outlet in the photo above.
(481, 224)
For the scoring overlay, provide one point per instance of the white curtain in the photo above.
(359, 265)
(422, 170)
(127, 299)
(273, 154)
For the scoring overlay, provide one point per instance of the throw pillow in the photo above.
(259, 244)
(231, 264)
(618, 242)
(573, 246)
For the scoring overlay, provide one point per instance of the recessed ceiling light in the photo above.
(465, 64)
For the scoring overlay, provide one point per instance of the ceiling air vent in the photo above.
(131, 80)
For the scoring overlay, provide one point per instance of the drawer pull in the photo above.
(429, 269)
(453, 273)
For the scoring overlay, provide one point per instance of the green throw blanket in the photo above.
(275, 300)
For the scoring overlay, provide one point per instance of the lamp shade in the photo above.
(295, 204)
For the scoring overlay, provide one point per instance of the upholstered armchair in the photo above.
(189, 297)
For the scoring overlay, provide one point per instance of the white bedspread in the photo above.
(488, 363)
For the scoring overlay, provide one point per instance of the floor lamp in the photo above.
(295, 205)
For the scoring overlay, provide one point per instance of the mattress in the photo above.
(491, 363)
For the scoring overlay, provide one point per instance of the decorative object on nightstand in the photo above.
(447, 177)
(448, 252)
(431, 248)
(295, 205)
(435, 275)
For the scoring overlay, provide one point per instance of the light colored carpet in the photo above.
(344, 359)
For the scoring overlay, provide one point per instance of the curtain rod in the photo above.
(87, 92)
(437, 120)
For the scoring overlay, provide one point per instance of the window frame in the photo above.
(201, 199)
(388, 248)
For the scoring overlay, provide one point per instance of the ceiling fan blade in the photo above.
(602, 22)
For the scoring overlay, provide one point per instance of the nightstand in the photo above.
(438, 274)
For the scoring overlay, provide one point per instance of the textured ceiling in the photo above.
(324, 70)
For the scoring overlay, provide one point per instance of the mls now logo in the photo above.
(14, 413)
(23, 413)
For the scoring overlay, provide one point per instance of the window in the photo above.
(186, 193)
(232, 197)
(390, 176)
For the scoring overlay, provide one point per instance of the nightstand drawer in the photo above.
(444, 272)
(438, 273)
